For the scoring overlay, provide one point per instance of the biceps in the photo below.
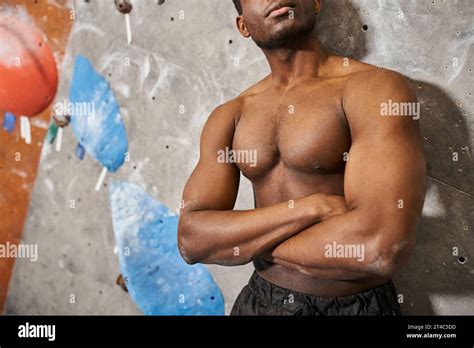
(386, 177)
(212, 186)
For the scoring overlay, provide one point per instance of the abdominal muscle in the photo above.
(293, 279)
(273, 192)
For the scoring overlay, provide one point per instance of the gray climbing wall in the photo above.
(187, 56)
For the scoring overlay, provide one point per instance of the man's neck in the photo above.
(296, 61)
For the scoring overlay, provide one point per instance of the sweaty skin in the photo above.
(330, 168)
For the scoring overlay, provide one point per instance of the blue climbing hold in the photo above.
(9, 122)
(80, 151)
(157, 278)
(95, 116)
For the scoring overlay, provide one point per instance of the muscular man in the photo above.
(338, 185)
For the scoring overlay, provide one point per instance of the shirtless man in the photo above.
(338, 186)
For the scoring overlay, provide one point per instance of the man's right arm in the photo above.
(210, 231)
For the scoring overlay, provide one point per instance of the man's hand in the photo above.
(324, 205)
(333, 205)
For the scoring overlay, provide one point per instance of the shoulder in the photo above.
(361, 80)
(231, 110)
(225, 114)
(374, 83)
(373, 92)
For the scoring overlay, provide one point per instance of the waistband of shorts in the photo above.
(385, 293)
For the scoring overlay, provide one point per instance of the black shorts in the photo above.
(261, 297)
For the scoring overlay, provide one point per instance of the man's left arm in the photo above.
(384, 186)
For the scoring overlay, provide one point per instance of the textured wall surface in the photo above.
(17, 178)
(187, 55)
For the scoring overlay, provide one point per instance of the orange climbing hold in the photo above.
(28, 74)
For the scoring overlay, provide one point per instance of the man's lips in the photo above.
(280, 11)
(277, 9)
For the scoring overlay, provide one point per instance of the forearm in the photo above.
(347, 246)
(237, 237)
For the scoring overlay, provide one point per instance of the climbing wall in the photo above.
(185, 58)
(19, 160)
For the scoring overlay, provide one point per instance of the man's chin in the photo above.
(284, 32)
(280, 39)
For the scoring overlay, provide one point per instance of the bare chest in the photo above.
(304, 131)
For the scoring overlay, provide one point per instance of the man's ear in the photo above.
(317, 6)
(242, 26)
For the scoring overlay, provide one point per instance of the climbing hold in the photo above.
(52, 132)
(156, 276)
(124, 6)
(102, 134)
(61, 121)
(28, 74)
(80, 151)
(8, 122)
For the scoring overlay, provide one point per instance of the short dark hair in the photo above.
(238, 6)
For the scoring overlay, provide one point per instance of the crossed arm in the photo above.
(383, 186)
